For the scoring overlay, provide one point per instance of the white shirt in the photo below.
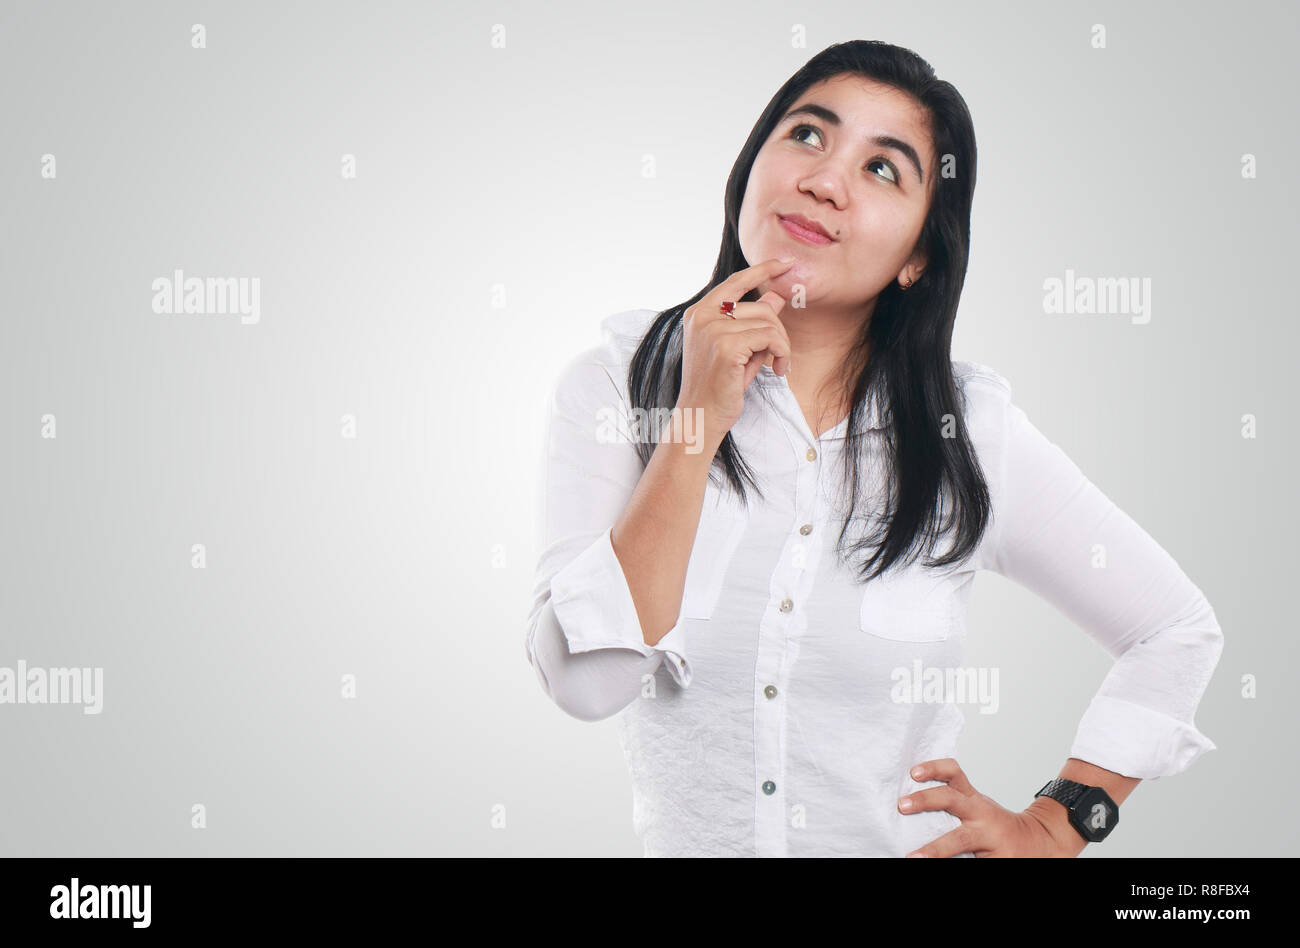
(767, 722)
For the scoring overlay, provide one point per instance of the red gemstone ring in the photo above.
(728, 308)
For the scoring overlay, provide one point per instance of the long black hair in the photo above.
(907, 340)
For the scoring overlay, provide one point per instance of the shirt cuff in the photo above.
(594, 607)
(1135, 741)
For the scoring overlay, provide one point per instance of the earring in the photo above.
(908, 283)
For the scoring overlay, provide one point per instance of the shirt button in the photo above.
(770, 691)
(769, 787)
(806, 529)
(787, 605)
(812, 454)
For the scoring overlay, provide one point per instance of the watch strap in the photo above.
(1064, 791)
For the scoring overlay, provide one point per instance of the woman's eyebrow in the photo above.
(883, 141)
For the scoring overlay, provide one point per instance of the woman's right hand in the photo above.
(721, 355)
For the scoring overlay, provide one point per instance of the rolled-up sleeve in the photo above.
(594, 607)
(583, 636)
(1060, 537)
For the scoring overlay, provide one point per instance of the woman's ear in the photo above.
(913, 269)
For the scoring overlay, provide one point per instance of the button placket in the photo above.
(778, 649)
(769, 726)
(781, 629)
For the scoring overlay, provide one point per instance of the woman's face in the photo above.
(869, 195)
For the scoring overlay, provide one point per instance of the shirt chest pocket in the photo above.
(915, 605)
(716, 542)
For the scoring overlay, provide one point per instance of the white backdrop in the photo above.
(439, 204)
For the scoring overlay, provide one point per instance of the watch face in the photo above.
(1095, 814)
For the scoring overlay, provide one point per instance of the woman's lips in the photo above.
(803, 234)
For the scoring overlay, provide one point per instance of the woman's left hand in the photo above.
(987, 829)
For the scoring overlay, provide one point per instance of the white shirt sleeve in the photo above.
(584, 637)
(1060, 537)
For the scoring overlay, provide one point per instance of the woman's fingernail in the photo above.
(917, 855)
(905, 803)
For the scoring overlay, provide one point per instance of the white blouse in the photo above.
(776, 717)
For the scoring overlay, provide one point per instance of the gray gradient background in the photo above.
(406, 556)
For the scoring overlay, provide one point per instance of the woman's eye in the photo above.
(802, 128)
(893, 171)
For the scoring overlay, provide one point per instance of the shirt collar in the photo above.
(625, 330)
(778, 388)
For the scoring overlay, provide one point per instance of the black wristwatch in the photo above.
(1092, 812)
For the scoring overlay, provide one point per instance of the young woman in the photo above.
(731, 556)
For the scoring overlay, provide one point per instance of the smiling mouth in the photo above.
(804, 234)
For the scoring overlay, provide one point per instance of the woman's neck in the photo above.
(820, 379)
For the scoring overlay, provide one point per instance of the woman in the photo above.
(731, 557)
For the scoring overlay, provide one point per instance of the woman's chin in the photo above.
(799, 276)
